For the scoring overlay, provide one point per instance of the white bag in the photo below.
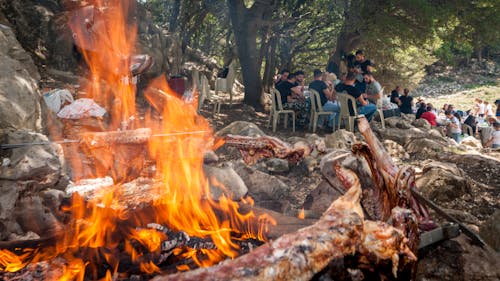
(56, 98)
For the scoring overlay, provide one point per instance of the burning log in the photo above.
(253, 149)
(339, 232)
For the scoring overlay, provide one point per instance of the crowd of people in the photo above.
(359, 82)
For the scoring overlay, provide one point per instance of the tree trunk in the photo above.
(174, 19)
(270, 64)
(245, 22)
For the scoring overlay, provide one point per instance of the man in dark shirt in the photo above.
(293, 98)
(364, 64)
(285, 87)
(326, 95)
(364, 107)
(282, 77)
(395, 95)
(406, 102)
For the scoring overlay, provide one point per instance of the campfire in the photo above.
(129, 229)
(156, 216)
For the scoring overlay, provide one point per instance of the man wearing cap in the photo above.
(327, 97)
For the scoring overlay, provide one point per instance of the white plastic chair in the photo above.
(317, 109)
(226, 84)
(277, 109)
(344, 99)
(380, 110)
(204, 94)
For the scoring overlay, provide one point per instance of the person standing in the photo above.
(406, 102)
(327, 97)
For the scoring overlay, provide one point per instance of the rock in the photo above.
(276, 165)
(401, 136)
(319, 199)
(9, 193)
(38, 163)
(20, 107)
(395, 150)
(463, 216)
(398, 122)
(408, 117)
(267, 190)
(490, 230)
(421, 123)
(241, 128)
(472, 142)
(32, 215)
(457, 259)
(442, 181)
(426, 147)
(210, 157)
(340, 139)
(228, 182)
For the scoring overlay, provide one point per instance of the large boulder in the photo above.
(442, 181)
(319, 199)
(19, 97)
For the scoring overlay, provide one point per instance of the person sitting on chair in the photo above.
(293, 98)
(326, 95)
(364, 107)
(373, 89)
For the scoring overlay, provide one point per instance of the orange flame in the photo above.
(181, 197)
(301, 214)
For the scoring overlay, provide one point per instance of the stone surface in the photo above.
(241, 128)
(472, 142)
(398, 122)
(442, 181)
(19, 97)
(267, 190)
(490, 231)
(319, 199)
(32, 215)
(457, 260)
(227, 182)
(421, 123)
(276, 165)
(38, 163)
(340, 139)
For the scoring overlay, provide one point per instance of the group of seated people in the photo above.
(451, 120)
(358, 82)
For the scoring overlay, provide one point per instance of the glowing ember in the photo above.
(101, 230)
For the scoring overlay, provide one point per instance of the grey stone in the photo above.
(340, 139)
(241, 128)
(33, 216)
(19, 98)
(40, 163)
(320, 198)
(421, 123)
(442, 181)
(276, 165)
(490, 230)
(229, 183)
(263, 187)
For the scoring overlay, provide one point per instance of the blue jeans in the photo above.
(456, 137)
(368, 110)
(334, 107)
